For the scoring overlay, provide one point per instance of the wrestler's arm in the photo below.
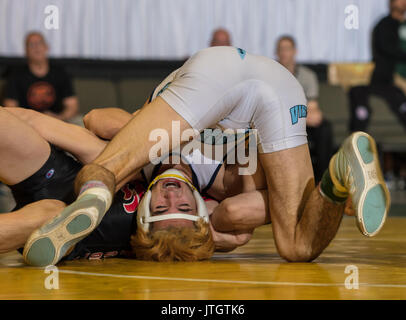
(78, 141)
(242, 212)
(244, 209)
(106, 122)
(226, 241)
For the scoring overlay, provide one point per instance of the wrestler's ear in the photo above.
(144, 212)
(201, 207)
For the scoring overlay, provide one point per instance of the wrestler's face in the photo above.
(286, 52)
(36, 48)
(172, 196)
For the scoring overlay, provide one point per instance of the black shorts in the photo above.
(111, 238)
(55, 180)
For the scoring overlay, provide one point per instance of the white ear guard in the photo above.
(144, 217)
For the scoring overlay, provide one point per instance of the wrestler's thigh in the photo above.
(22, 149)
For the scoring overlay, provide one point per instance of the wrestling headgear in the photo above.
(144, 217)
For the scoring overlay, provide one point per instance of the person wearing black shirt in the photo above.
(39, 85)
(387, 52)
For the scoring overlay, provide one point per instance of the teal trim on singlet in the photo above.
(242, 53)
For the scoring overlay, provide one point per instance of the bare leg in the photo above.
(16, 227)
(303, 221)
(241, 214)
(129, 150)
(78, 141)
(23, 151)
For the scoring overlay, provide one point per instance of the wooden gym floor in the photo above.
(254, 271)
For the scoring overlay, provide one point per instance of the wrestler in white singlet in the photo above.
(230, 87)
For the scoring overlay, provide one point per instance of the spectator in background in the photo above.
(39, 85)
(389, 56)
(400, 68)
(220, 37)
(319, 129)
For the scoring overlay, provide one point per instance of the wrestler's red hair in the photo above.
(174, 243)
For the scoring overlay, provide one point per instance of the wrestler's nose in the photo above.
(172, 194)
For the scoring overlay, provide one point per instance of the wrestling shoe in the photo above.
(51, 242)
(355, 171)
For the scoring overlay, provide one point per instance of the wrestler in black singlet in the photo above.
(55, 180)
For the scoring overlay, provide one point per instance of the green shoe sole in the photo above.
(50, 243)
(370, 196)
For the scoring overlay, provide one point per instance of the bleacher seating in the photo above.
(95, 93)
(384, 125)
(134, 92)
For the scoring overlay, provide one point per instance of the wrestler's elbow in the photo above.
(102, 124)
(89, 119)
(92, 121)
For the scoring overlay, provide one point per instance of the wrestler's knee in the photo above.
(298, 252)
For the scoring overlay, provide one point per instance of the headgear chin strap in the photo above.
(144, 217)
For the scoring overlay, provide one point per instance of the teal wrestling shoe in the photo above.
(51, 242)
(355, 171)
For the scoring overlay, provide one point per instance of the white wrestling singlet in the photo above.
(238, 90)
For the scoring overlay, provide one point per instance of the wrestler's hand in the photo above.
(228, 241)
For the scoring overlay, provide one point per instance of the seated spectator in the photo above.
(220, 37)
(389, 56)
(319, 130)
(39, 85)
